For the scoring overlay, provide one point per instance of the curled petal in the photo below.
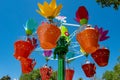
(105, 33)
(104, 38)
(101, 30)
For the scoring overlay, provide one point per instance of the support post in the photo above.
(61, 67)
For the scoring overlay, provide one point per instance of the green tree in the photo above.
(109, 3)
(108, 75)
(54, 75)
(118, 60)
(25, 77)
(34, 75)
(113, 74)
(5, 78)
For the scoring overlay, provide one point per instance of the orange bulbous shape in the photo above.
(88, 40)
(48, 35)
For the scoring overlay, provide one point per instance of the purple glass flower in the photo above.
(47, 53)
(102, 33)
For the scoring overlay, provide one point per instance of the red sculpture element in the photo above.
(89, 69)
(46, 73)
(69, 74)
(23, 49)
(101, 56)
(81, 13)
(27, 64)
(33, 41)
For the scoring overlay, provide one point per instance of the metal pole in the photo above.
(61, 67)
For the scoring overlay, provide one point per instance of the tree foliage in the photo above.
(34, 75)
(54, 75)
(5, 78)
(113, 74)
(108, 3)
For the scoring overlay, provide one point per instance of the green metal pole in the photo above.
(61, 67)
(61, 50)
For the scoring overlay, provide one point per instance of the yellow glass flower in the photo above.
(49, 11)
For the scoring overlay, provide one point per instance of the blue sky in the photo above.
(15, 13)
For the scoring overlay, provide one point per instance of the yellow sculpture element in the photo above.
(83, 51)
(49, 11)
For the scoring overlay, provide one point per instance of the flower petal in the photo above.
(104, 33)
(57, 10)
(82, 13)
(42, 14)
(47, 53)
(104, 38)
(41, 7)
(96, 27)
(77, 19)
(47, 8)
(77, 13)
(53, 4)
(100, 30)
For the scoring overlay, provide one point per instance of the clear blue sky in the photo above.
(15, 13)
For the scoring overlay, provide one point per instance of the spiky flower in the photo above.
(102, 33)
(49, 11)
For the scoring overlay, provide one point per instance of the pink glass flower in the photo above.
(47, 53)
(103, 33)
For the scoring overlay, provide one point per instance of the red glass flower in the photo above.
(89, 69)
(101, 56)
(82, 15)
(27, 64)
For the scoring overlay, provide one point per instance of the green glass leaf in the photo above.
(31, 26)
